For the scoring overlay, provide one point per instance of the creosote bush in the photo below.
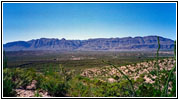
(54, 80)
(8, 88)
(16, 78)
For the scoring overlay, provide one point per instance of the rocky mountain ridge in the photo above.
(98, 44)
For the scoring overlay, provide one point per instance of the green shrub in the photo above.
(153, 72)
(77, 88)
(85, 87)
(80, 90)
(54, 81)
(20, 77)
(15, 78)
(147, 90)
(8, 88)
(54, 85)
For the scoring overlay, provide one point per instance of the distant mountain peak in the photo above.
(63, 39)
(99, 44)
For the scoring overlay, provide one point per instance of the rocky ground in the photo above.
(31, 91)
(132, 71)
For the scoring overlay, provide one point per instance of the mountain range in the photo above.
(98, 44)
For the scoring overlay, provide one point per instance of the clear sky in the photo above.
(26, 21)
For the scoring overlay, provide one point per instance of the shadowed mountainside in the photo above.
(99, 44)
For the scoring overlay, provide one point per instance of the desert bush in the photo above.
(119, 89)
(77, 87)
(53, 80)
(108, 90)
(79, 90)
(86, 87)
(8, 88)
(147, 90)
(20, 77)
(54, 85)
(16, 78)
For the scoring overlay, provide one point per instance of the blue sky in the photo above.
(26, 21)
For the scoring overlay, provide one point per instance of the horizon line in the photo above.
(88, 38)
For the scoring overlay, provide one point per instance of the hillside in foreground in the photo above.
(94, 82)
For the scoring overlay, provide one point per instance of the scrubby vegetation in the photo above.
(59, 82)
(151, 78)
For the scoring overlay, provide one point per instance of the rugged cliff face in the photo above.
(98, 44)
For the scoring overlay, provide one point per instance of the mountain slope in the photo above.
(98, 44)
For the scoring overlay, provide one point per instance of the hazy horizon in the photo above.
(84, 39)
(72, 21)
